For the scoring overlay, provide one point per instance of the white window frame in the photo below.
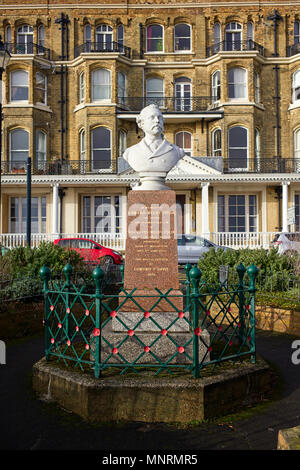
(44, 88)
(122, 142)
(101, 170)
(11, 160)
(108, 86)
(159, 96)
(122, 91)
(41, 220)
(40, 162)
(8, 34)
(247, 211)
(216, 87)
(296, 34)
(158, 37)
(295, 88)
(243, 84)
(182, 51)
(106, 31)
(81, 88)
(247, 134)
(21, 31)
(256, 87)
(12, 74)
(216, 152)
(92, 216)
(296, 143)
(229, 29)
(187, 150)
(41, 37)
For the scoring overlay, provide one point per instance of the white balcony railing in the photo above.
(117, 241)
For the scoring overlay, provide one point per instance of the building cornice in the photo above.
(81, 180)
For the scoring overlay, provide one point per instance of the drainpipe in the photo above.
(278, 191)
(141, 40)
(276, 17)
(61, 195)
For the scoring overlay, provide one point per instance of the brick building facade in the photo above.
(225, 75)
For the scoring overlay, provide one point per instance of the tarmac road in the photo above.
(28, 423)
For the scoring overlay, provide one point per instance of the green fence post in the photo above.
(252, 273)
(195, 276)
(241, 273)
(45, 274)
(98, 277)
(122, 267)
(187, 269)
(67, 272)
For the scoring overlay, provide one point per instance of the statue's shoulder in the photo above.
(131, 150)
(179, 150)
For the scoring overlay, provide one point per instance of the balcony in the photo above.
(167, 104)
(234, 46)
(65, 167)
(293, 50)
(27, 48)
(101, 47)
(261, 165)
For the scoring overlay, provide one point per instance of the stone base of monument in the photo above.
(145, 347)
(151, 399)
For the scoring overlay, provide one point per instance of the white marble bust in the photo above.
(153, 157)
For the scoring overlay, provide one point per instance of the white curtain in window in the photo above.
(19, 85)
(101, 85)
(237, 83)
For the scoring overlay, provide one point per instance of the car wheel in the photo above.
(106, 261)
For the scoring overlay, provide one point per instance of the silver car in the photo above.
(192, 247)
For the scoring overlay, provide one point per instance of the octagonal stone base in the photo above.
(149, 398)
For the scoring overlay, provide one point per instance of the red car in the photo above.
(90, 250)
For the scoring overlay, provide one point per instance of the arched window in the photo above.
(101, 149)
(19, 85)
(233, 37)
(217, 38)
(250, 35)
(87, 38)
(184, 141)
(25, 40)
(120, 38)
(104, 38)
(183, 92)
(237, 83)
(296, 87)
(182, 37)
(155, 91)
(217, 143)
(216, 86)
(238, 148)
(18, 148)
(256, 87)
(82, 156)
(8, 36)
(296, 32)
(41, 150)
(121, 88)
(122, 142)
(81, 87)
(41, 88)
(297, 145)
(257, 149)
(101, 85)
(41, 38)
(154, 38)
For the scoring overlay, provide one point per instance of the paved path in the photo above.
(27, 423)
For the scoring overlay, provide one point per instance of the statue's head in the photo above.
(150, 120)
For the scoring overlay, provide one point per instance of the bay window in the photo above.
(101, 214)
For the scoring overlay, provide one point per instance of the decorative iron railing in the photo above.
(27, 48)
(261, 165)
(59, 167)
(293, 50)
(77, 167)
(167, 103)
(234, 46)
(102, 47)
(219, 319)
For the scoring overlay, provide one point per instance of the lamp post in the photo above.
(4, 59)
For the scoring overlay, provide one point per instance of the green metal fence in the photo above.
(219, 324)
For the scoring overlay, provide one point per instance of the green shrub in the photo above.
(273, 268)
(27, 262)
